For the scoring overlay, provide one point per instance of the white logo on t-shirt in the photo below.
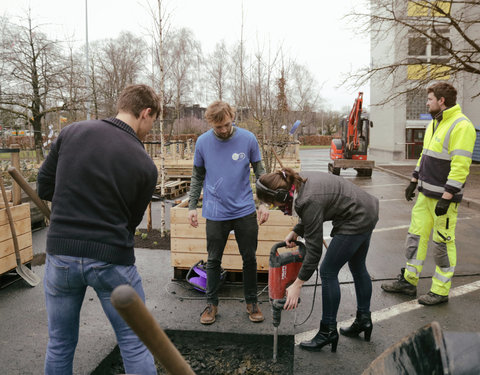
(239, 156)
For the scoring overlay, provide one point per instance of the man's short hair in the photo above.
(218, 111)
(135, 98)
(444, 90)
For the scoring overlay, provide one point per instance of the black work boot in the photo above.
(400, 286)
(362, 323)
(328, 334)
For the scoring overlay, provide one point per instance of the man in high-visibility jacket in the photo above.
(440, 174)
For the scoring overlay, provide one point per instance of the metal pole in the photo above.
(87, 78)
(275, 344)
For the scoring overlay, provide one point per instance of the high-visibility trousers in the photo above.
(444, 250)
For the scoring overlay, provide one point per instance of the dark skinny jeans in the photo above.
(342, 249)
(246, 235)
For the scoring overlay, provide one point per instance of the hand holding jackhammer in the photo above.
(293, 295)
(291, 238)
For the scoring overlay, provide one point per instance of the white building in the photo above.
(399, 125)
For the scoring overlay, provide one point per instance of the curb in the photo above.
(468, 202)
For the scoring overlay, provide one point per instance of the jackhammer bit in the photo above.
(277, 307)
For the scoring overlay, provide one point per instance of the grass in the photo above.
(24, 154)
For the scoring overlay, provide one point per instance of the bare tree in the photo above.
(303, 93)
(116, 63)
(74, 89)
(239, 57)
(182, 53)
(160, 26)
(218, 71)
(438, 40)
(32, 65)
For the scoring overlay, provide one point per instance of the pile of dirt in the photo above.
(152, 240)
(215, 354)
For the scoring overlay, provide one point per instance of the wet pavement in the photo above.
(23, 330)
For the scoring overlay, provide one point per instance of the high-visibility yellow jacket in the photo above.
(446, 156)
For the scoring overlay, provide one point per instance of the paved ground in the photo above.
(471, 192)
(23, 331)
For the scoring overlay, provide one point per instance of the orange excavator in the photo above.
(350, 151)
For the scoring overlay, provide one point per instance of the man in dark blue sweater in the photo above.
(100, 180)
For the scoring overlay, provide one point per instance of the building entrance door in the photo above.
(414, 142)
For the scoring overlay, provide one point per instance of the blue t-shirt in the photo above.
(227, 193)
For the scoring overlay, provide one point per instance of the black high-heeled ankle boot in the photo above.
(362, 323)
(328, 334)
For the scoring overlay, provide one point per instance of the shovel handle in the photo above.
(134, 312)
(29, 191)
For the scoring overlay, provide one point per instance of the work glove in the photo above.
(442, 207)
(410, 191)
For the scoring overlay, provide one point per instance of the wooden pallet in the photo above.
(174, 188)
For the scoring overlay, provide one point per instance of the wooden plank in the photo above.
(176, 183)
(7, 248)
(21, 227)
(188, 245)
(10, 262)
(9, 199)
(186, 179)
(179, 215)
(265, 233)
(229, 262)
(19, 212)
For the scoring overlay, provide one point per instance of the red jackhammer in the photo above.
(283, 270)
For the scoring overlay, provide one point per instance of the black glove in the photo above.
(410, 191)
(442, 207)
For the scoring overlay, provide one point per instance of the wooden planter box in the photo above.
(21, 217)
(189, 245)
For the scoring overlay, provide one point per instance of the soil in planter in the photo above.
(152, 240)
(215, 353)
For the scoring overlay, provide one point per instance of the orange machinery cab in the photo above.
(336, 149)
(339, 149)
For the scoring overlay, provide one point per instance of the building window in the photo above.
(427, 58)
(416, 104)
(417, 46)
(428, 8)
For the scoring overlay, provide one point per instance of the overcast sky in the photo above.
(311, 31)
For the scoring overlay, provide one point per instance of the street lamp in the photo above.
(87, 78)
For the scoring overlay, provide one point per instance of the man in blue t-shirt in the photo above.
(222, 167)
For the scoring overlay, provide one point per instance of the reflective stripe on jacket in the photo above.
(446, 156)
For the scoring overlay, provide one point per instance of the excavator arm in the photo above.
(352, 140)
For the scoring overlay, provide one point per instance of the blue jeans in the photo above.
(246, 235)
(65, 283)
(342, 249)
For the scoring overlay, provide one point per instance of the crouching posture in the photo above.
(318, 197)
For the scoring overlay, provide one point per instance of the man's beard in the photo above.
(434, 113)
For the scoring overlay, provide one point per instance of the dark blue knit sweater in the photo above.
(100, 180)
